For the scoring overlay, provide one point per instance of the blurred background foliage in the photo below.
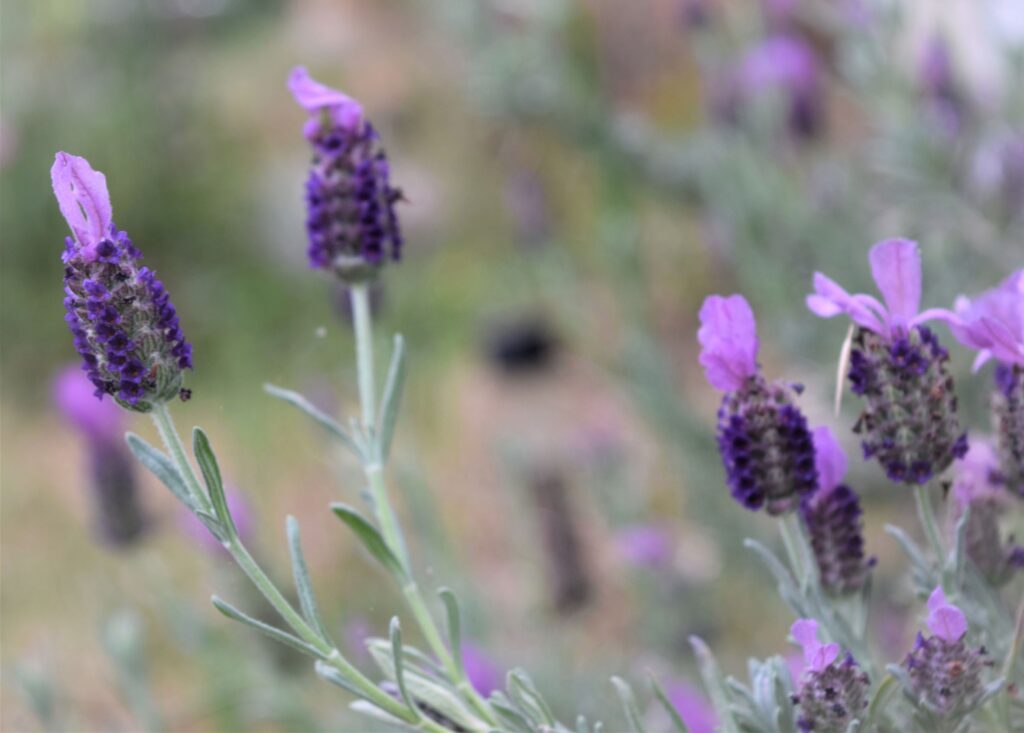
(579, 176)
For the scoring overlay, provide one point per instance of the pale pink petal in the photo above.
(937, 599)
(896, 268)
(945, 620)
(315, 97)
(830, 299)
(829, 458)
(728, 339)
(818, 656)
(82, 196)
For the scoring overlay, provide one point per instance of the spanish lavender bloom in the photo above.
(119, 518)
(125, 326)
(832, 516)
(351, 220)
(692, 706)
(993, 323)
(832, 693)
(898, 366)
(482, 672)
(943, 675)
(786, 66)
(978, 486)
(763, 437)
(939, 86)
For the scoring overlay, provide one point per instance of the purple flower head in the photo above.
(896, 268)
(101, 421)
(787, 66)
(993, 322)
(763, 437)
(483, 673)
(351, 221)
(898, 367)
(241, 514)
(817, 656)
(833, 518)
(692, 706)
(645, 545)
(728, 339)
(945, 620)
(124, 326)
(832, 693)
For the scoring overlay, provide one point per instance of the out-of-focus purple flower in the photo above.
(939, 86)
(896, 358)
(993, 322)
(763, 437)
(118, 516)
(833, 519)
(786, 66)
(941, 671)
(98, 420)
(980, 486)
(356, 632)
(240, 514)
(351, 219)
(645, 545)
(482, 672)
(692, 706)
(125, 328)
(831, 693)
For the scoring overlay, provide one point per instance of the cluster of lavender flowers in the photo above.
(909, 424)
(133, 349)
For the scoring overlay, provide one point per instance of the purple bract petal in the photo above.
(830, 299)
(83, 199)
(728, 337)
(315, 97)
(829, 458)
(993, 322)
(75, 397)
(482, 672)
(692, 706)
(896, 267)
(945, 620)
(818, 656)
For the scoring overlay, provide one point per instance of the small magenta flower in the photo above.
(993, 324)
(898, 366)
(834, 523)
(351, 220)
(645, 546)
(125, 327)
(832, 693)
(763, 437)
(482, 672)
(118, 516)
(692, 706)
(978, 485)
(943, 675)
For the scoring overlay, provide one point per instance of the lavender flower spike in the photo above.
(993, 323)
(763, 437)
(832, 694)
(943, 675)
(832, 516)
(351, 220)
(125, 328)
(898, 366)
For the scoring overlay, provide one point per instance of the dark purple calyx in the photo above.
(946, 676)
(830, 699)
(909, 422)
(351, 221)
(835, 527)
(1008, 414)
(766, 447)
(124, 325)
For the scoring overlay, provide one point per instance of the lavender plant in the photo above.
(134, 352)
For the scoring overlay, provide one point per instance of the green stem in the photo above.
(926, 513)
(364, 355)
(801, 565)
(331, 655)
(169, 435)
(385, 513)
